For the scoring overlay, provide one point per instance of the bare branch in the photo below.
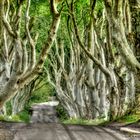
(51, 37)
(96, 61)
(8, 27)
(31, 41)
(25, 57)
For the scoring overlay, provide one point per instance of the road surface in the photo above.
(53, 131)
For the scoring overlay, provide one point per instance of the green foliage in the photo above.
(41, 12)
(99, 6)
(8, 108)
(24, 115)
(61, 113)
(41, 95)
(2, 118)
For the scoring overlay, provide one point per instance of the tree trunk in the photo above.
(18, 67)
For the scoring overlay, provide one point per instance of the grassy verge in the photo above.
(83, 122)
(20, 117)
(132, 118)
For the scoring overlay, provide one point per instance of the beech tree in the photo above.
(96, 78)
(91, 62)
(135, 14)
(18, 62)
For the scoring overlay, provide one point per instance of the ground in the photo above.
(56, 131)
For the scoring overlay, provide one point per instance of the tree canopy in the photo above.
(86, 50)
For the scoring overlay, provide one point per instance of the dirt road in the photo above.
(53, 131)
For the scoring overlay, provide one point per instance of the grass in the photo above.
(24, 116)
(14, 118)
(127, 119)
(83, 121)
(132, 118)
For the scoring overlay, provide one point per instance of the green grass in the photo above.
(24, 116)
(14, 118)
(127, 119)
(20, 117)
(132, 118)
(83, 122)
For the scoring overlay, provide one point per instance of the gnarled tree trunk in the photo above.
(18, 67)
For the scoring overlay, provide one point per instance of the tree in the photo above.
(18, 55)
(91, 63)
(100, 84)
(135, 14)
